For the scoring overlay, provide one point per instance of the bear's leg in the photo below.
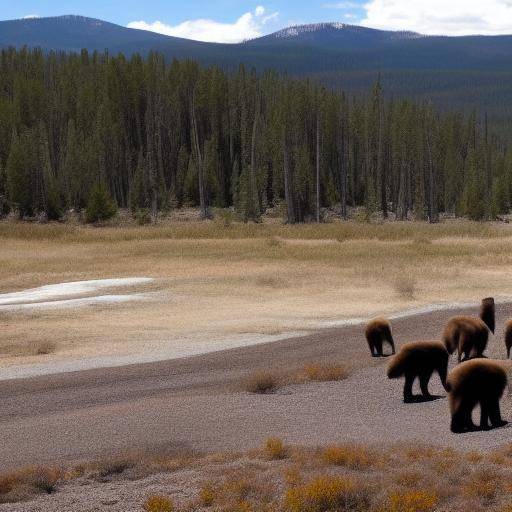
(461, 417)
(468, 420)
(508, 352)
(457, 425)
(378, 347)
(495, 414)
(409, 381)
(424, 380)
(484, 416)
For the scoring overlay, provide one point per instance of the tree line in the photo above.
(82, 129)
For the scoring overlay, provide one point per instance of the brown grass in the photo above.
(411, 501)
(25, 484)
(350, 456)
(327, 493)
(255, 279)
(340, 477)
(262, 383)
(274, 449)
(158, 504)
(325, 372)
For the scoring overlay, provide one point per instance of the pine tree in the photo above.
(100, 206)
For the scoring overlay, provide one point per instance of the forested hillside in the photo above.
(154, 136)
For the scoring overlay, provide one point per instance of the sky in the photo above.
(230, 21)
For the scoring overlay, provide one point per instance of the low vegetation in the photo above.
(264, 382)
(279, 477)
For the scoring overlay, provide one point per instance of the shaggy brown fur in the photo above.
(508, 337)
(488, 313)
(377, 332)
(469, 335)
(479, 381)
(419, 359)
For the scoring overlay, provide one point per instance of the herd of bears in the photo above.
(476, 380)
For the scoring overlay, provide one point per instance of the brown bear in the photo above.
(419, 359)
(377, 332)
(488, 313)
(479, 381)
(469, 335)
(508, 337)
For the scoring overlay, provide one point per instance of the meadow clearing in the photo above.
(219, 283)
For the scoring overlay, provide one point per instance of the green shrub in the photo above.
(100, 207)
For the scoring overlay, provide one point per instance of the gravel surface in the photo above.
(198, 402)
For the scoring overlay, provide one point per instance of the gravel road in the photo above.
(198, 402)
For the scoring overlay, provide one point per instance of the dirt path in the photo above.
(197, 402)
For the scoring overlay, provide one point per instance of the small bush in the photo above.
(262, 383)
(354, 457)
(207, 495)
(158, 504)
(327, 493)
(22, 485)
(108, 469)
(405, 287)
(274, 242)
(411, 501)
(142, 216)
(483, 484)
(325, 372)
(274, 449)
(224, 218)
(44, 348)
(100, 206)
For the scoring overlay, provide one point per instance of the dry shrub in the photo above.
(354, 457)
(270, 282)
(292, 476)
(274, 242)
(207, 495)
(44, 348)
(274, 449)
(411, 501)
(405, 286)
(483, 484)
(24, 484)
(325, 372)
(409, 479)
(241, 491)
(262, 383)
(327, 493)
(107, 469)
(158, 504)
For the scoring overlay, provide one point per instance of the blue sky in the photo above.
(234, 20)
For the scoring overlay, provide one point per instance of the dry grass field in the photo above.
(217, 284)
(274, 478)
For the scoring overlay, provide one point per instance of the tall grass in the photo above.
(415, 231)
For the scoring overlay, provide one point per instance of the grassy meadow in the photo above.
(222, 279)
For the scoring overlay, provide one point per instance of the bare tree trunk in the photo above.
(288, 191)
(254, 189)
(318, 166)
(200, 163)
(433, 214)
(343, 163)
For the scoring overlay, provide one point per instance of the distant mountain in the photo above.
(73, 33)
(471, 72)
(335, 35)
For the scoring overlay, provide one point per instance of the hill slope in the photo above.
(463, 72)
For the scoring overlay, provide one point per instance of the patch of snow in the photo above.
(75, 303)
(60, 290)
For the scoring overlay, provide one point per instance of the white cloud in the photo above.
(31, 16)
(342, 5)
(248, 26)
(450, 17)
